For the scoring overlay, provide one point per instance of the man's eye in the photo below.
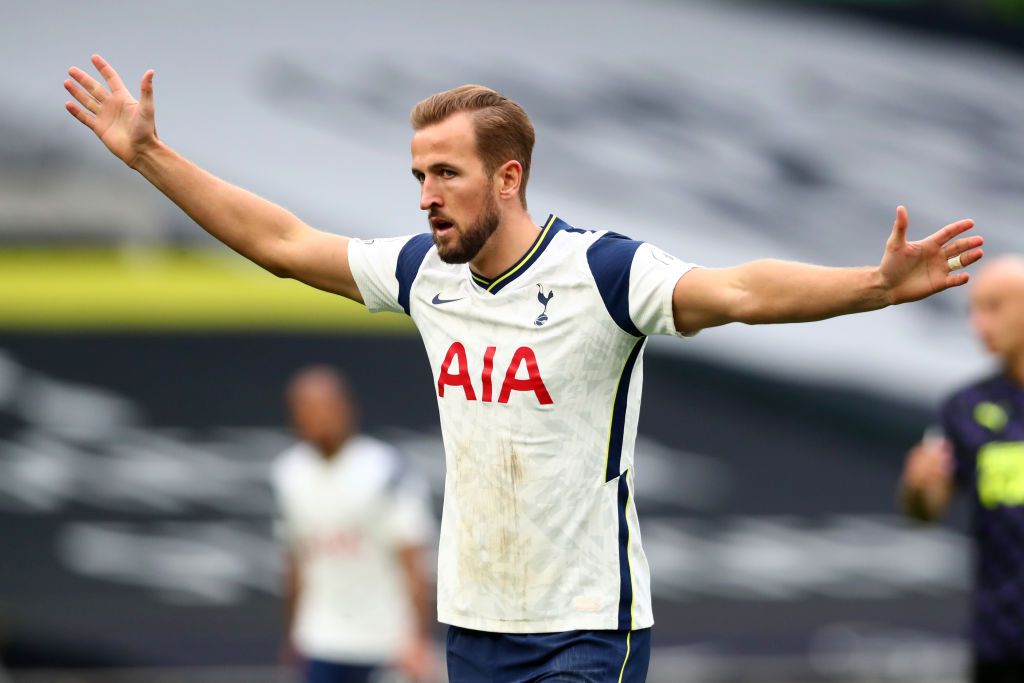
(447, 173)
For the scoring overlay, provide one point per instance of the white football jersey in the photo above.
(538, 377)
(345, 520)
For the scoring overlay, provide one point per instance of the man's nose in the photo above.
(428, 196)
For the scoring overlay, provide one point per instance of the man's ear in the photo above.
(510, 177)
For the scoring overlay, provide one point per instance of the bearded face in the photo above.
(458, 190)
(461, 243)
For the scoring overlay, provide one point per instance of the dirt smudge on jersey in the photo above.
(492, 562)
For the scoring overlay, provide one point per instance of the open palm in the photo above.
(914, 270)
(125, 125)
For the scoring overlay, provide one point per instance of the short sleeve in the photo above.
(408, 519)
(652, 280)
(636, 281)
(284, 533)
(282, 527)
(384, 269)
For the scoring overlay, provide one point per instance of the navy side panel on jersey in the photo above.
(618, 423)
(625, 575)
(409, 261)
(610, 259)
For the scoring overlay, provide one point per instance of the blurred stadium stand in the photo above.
(999, 22)
(721, 131)
(141, 363)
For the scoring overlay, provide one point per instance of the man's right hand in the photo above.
(125, 125)
(928, 479)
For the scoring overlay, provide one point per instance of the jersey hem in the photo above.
(581, 622)
(349, 653)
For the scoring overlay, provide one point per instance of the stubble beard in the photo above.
(470, 241)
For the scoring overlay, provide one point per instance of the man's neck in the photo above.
(506, 246)
(1015, 368)
(329, 451)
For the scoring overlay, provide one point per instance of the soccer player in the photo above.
(535, 335)
(979, 450)
(354, 521)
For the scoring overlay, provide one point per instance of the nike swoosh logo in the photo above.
(438, 300)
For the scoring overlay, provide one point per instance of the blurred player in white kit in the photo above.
(354, 520)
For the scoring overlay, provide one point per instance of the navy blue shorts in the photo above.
(573, 656)
(320, 671)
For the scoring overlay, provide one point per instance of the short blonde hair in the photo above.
(503, 130)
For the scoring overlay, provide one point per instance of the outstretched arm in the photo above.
(771, 291)
(258, 229)
(416, 658)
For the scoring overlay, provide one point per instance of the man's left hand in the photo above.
(915, 270)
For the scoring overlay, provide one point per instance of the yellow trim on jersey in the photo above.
(482, 281)
(623, 669)
(529, 254)
(165, 289)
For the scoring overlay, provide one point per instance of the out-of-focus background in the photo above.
(141, 363)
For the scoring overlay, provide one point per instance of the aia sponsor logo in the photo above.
(455, 373)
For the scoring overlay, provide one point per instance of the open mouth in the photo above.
(441, 225)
